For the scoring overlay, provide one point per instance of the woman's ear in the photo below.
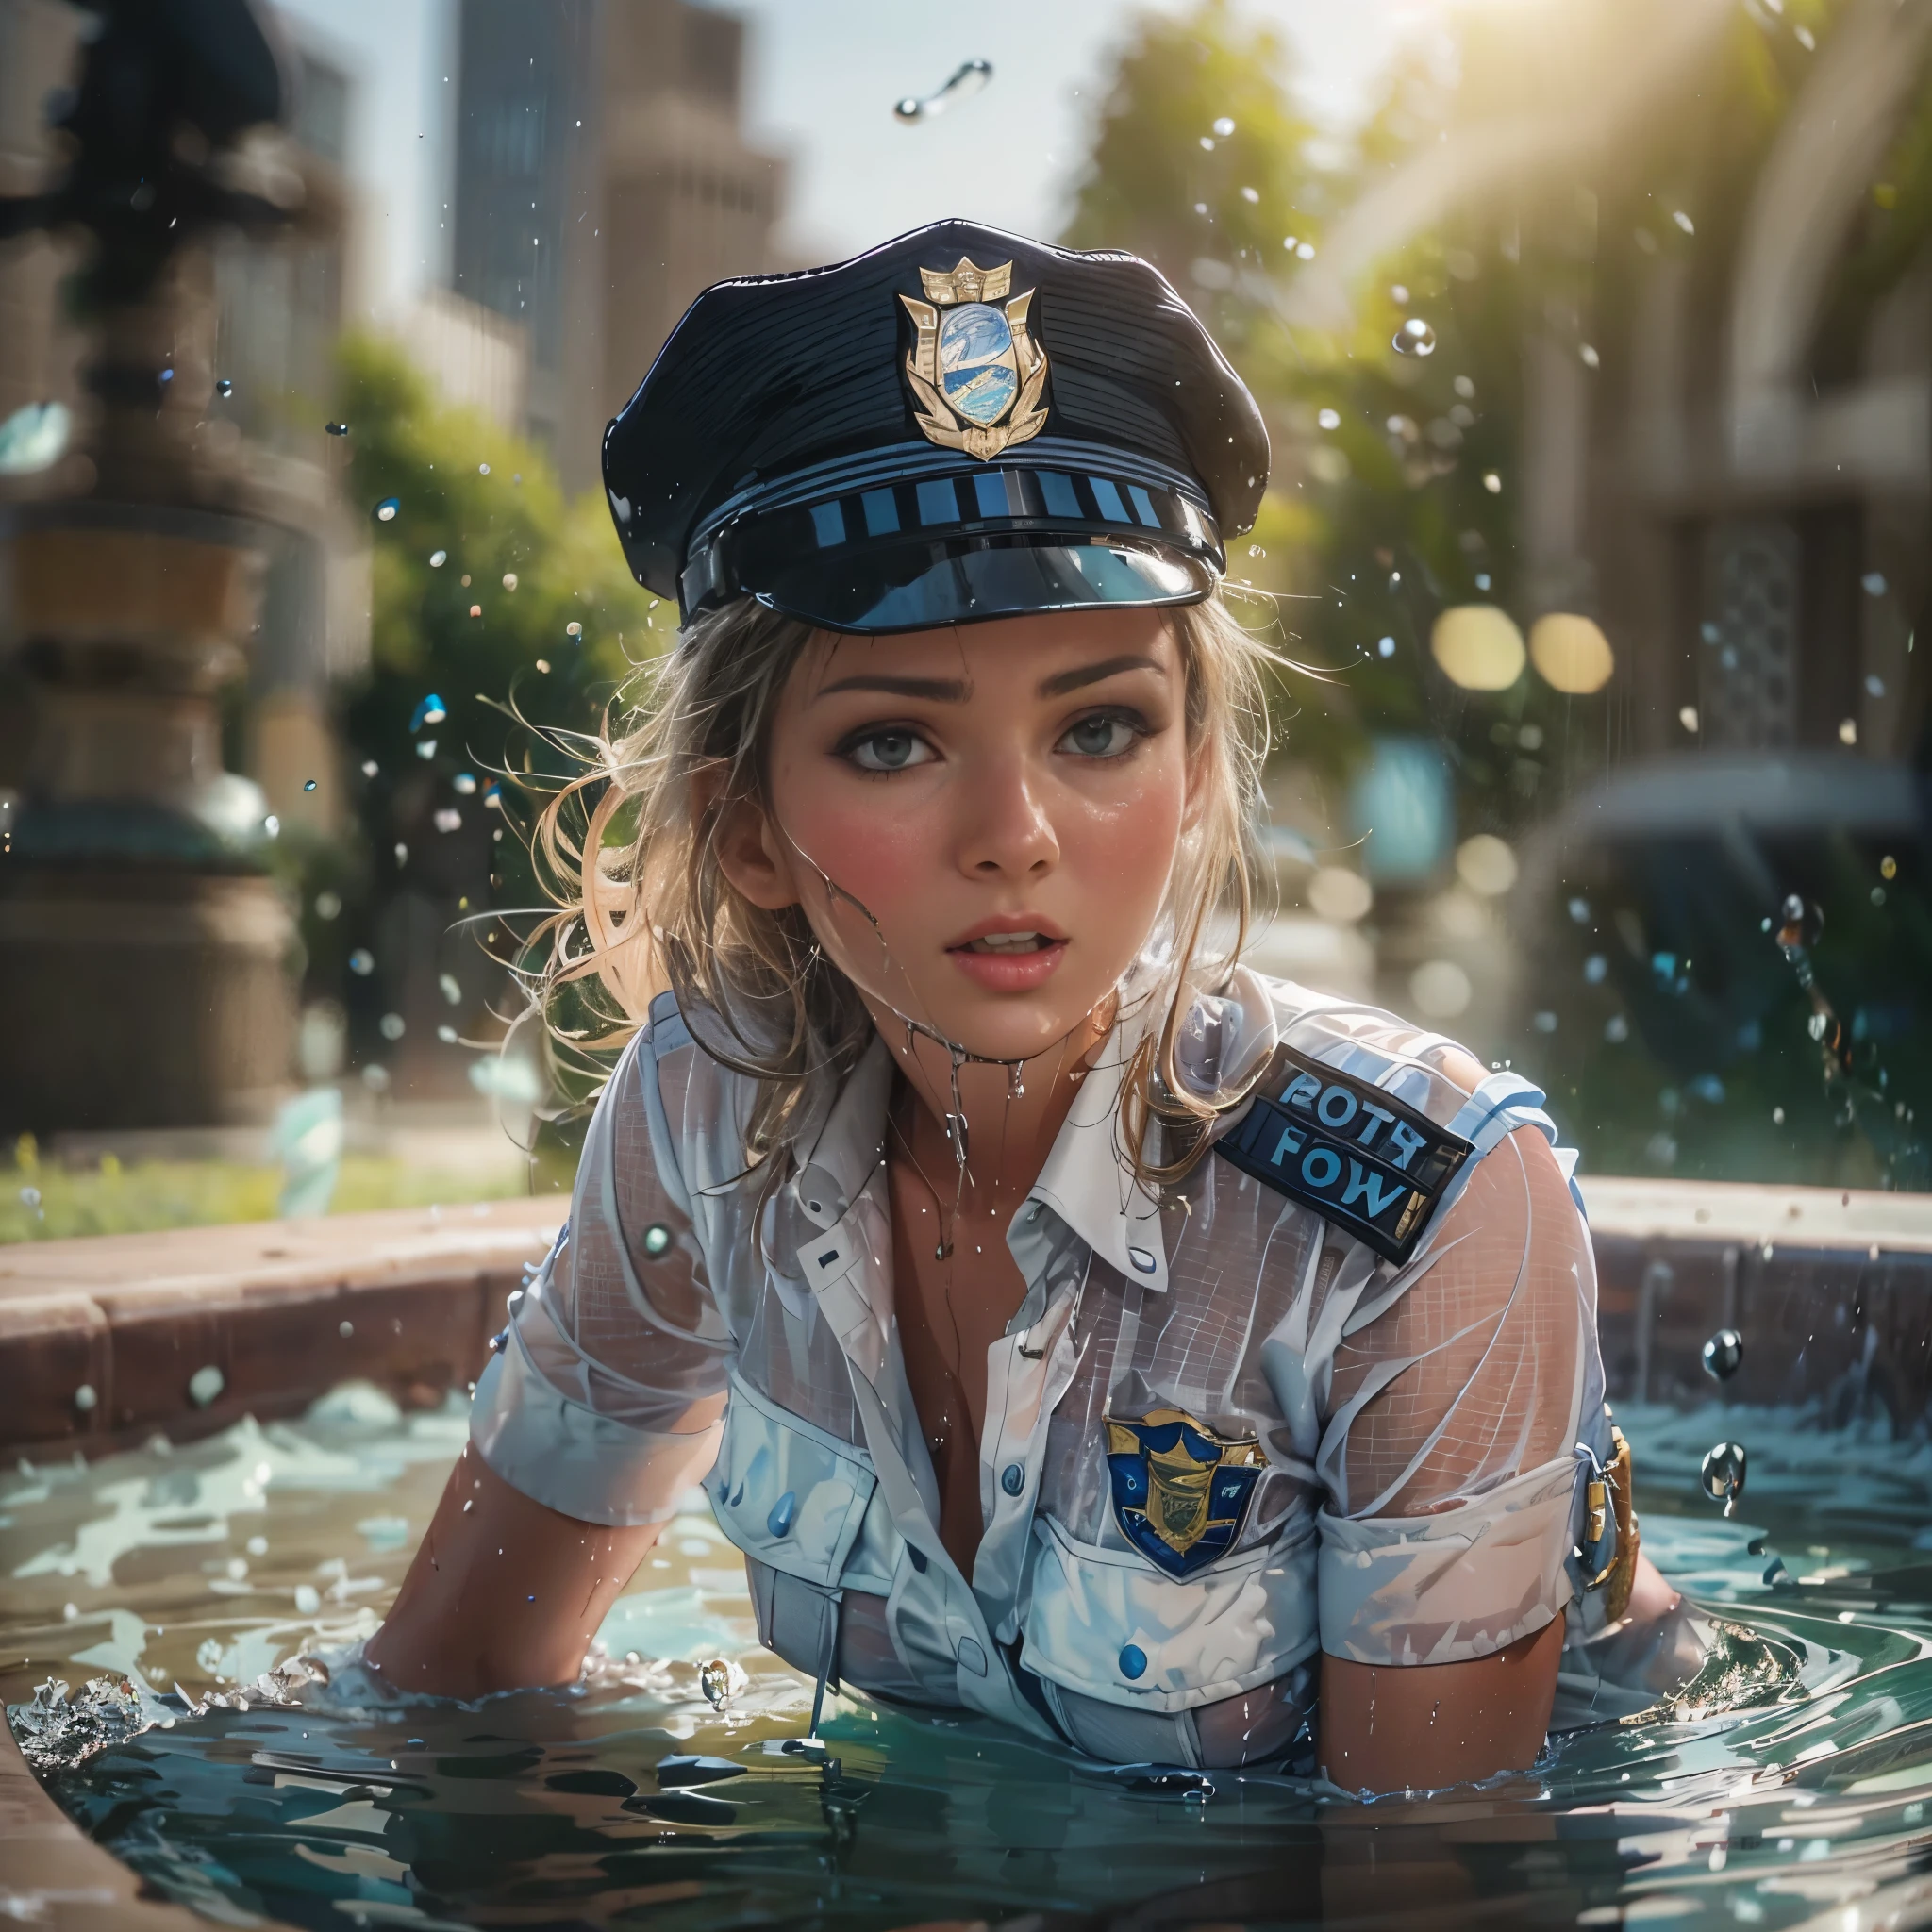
(749, 853)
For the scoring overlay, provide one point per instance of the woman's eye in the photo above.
(1103, 735)
(889, 751)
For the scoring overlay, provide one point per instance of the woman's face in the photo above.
(995, 808)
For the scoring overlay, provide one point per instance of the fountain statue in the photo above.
(145, 949)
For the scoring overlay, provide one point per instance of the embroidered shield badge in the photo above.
(974, 367)
(1180, 1491)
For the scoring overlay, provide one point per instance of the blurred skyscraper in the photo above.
(602, 180)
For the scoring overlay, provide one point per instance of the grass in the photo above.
(42, 1200)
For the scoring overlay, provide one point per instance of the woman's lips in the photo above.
(999, 965)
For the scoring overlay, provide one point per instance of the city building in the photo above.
(602, 180)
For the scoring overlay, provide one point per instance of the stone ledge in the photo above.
(282, 1309)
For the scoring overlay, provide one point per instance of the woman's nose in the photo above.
(1006, 831)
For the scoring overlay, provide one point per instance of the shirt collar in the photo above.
(1088, 1180)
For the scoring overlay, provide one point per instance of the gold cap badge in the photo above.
(974, 368)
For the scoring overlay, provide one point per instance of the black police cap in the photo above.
(959, 425)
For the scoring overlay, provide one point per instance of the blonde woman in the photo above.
(1069, 1325)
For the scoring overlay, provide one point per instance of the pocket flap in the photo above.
(1108, 1625)
(788, 1494)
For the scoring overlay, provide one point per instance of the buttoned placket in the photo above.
(849, 1269)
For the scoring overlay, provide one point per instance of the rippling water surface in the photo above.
(201, 1567)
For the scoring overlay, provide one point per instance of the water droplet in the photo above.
(1328, 419)
(31, 1197)
(482, 469)
(657, 1239)
(307, 1599)
(429, 710)
(166, 375)
(85, 1398)
(438, 558)
(452, 991)
(309, 784)
(543, 665)
(510, 580)
(475, 610)
(1887, 868)
(370, 768)
(448, 819)
(390, 1026)
(961, 85)
(338, 429)
(1223, 128)
(447, 1035)
(1723, 1355)
(205, 1385)
(1414, 338)
(1587, 355)
(1722, 1475)
(224, 388)
(386, 510)
(721, 1680)
(779, 1522)
(1492, 482)
(464, 784)
(1683, 221)
(271, 825)
(572, 630)
(362, 962)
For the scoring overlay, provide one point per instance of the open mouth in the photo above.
(1007, 943)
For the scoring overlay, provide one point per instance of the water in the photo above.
(207, 1565)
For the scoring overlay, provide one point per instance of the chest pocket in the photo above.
(797, 1498)
(1104, 1622)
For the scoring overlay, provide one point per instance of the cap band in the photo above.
(848, 553)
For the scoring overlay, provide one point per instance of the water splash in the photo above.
(965, 81)
(1855, 1080)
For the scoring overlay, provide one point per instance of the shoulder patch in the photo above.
(1363, 1162)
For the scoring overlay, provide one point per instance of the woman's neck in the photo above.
(1012, 1120)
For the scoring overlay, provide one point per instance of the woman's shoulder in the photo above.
(1256, 1025)
(673, 1062)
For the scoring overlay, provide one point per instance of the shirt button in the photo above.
(1133, 1660)
(1013, 1478)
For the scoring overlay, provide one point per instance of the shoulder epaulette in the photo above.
(1360, 1158)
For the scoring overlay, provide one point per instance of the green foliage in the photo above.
(511, 606)
(1396, 492)
(148, 1195)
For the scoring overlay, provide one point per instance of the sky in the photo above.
(820, 79)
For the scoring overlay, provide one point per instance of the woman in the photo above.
(1068, 1325)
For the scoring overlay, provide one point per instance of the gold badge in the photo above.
(1180, 1491)
(975, 368)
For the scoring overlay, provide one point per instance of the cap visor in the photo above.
(921, 587)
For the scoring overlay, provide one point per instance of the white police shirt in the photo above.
(1225, 1431)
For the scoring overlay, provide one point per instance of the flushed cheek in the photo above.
(1124, 849)
(877, 851)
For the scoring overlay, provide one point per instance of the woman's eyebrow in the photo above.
(941, 691)
(1062, 682)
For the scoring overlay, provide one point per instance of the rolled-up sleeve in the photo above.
(1448, 1454)
(606, 1399)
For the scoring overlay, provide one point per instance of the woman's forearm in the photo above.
(1421, 1726)
(502, 1593)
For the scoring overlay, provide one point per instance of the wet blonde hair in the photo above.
(643, 903)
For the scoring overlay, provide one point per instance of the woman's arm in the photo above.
(1418, 1727)
(503, 1592)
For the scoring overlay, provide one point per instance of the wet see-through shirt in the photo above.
(1419, 1492)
